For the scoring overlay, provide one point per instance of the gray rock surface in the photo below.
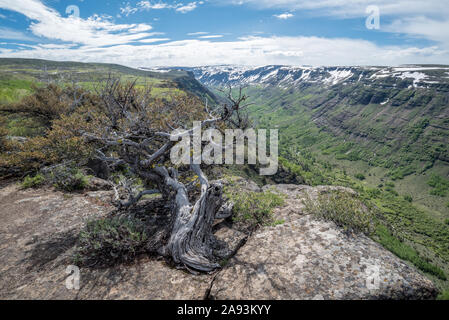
(38, 231)
(309, 259)
(300, 259)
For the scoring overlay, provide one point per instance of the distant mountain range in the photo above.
(424, 76)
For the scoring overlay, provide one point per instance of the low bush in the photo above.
(400, 173)
(406, 252)
(60, 177)
(344, 209)
(33, 182)
(67, 179)
(440, 185)
(360, 176)
(52, 123)
(444, 295)
(110, 240)
(256, 208)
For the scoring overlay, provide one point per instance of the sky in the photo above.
(149, 33)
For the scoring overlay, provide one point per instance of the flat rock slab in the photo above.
(309, 259)
(300, 259)
(38, 231)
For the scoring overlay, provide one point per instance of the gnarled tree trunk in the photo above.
(191, 242)
(131, 134)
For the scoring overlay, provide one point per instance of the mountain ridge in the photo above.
(35, 70)
(418, 76)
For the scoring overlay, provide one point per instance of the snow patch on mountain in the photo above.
(288, 76)
(337, 76)
(416, 76)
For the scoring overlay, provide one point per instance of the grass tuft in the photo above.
(256, 208)
(344, 209)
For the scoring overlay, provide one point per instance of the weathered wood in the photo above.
(191, 240)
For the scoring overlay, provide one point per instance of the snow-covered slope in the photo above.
(287, 76)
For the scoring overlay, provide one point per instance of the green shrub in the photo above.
(373, 192)
(400, 173)
(256, 208)
(408, 198)
(33, 182)
(440, 185)
(438, 192)
(344, 209)
(406, 252)
(444, 295)
(110, 240)
(389, 186)
(360, 176)
(67, 179)
(61, 177)
(394, 192)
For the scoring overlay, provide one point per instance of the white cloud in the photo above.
(245, 51)
(284, 16)
(128, 10)
(150, 5)
(188, 7)
(215, 36)
(200, 33)
(346, 8)
(436, 30)
(141, 28)
(10, 34)
(99, 39)
(151, 40)
(417, 18)
(56, 46)
(94, 31)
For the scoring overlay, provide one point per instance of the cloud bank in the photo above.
(99, 39)
(245, 51)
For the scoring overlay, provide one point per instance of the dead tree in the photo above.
(136, 130)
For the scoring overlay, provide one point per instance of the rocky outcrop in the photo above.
(38, 231)
(301, 259)
(309, 259)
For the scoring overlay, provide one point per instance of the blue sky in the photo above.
(249, 32)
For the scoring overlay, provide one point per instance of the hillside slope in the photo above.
(17, 76)
(392, 122)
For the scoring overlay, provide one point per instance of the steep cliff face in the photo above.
(436, 77)
(388, 116)
(395, 118)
